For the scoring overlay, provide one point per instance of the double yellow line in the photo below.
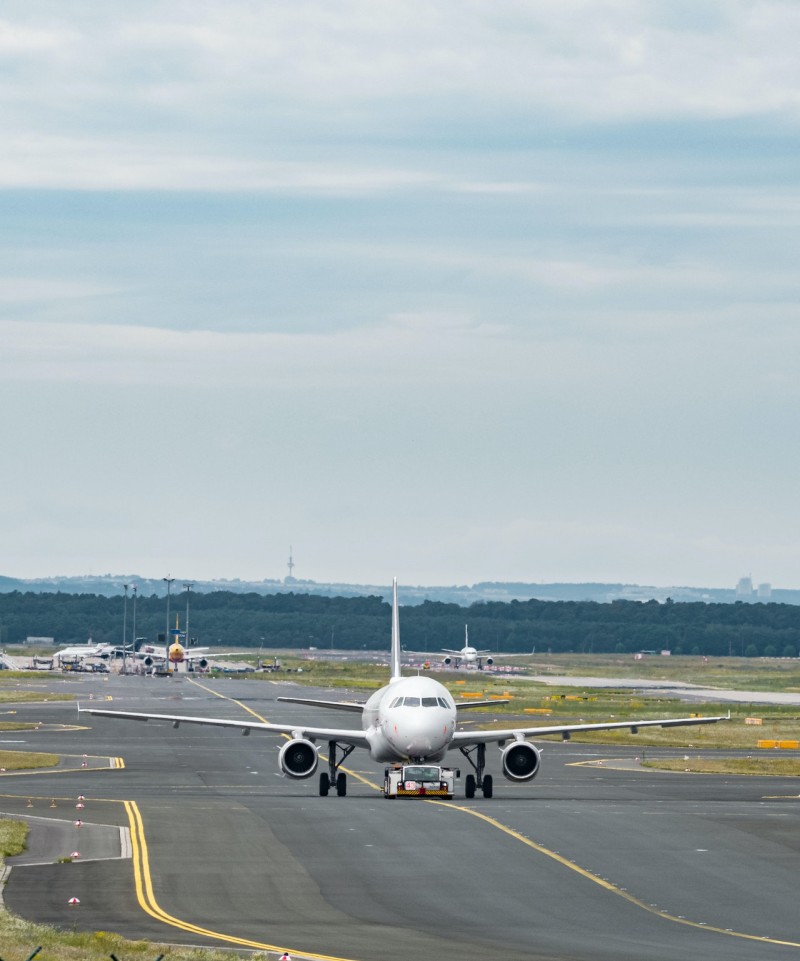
(148, 903)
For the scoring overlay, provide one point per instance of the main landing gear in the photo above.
(330, 778)
(477, 780)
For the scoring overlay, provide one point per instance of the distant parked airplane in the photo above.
(467, 655)
(77, 652)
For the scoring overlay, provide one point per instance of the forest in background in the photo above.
(224, 618)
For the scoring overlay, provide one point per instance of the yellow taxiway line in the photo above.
(260, 717)
(608, 885)
(148, 903)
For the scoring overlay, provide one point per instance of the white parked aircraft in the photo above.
(79, 651)
(467, 655)
(409, 719)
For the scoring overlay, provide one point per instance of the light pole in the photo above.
(168, 581)
(188, 589)
(125, 626)
(133, 638)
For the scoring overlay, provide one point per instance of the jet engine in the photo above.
(202, 662)
(489, 661)
(148, 661)
(521, 761)
(298, 758)
(448, 661)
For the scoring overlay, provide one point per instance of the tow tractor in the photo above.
(419, 780)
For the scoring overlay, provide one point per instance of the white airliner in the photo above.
(467, 655)
(79, 651)
(409, 719)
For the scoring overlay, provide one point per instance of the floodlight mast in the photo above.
(169, 580)
(124, 626)
(188, 591)
(133, 637)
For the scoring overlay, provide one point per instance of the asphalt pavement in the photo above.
(582, 863)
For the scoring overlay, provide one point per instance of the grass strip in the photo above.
(773, 766)
(25, 760)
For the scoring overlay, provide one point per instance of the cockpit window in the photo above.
(419, 702)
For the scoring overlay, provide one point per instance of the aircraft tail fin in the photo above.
(395, 661)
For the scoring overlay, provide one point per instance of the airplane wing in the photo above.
(343, 735)
(207, 653)
(333, 705)
(565, 730)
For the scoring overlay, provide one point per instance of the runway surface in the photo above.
(583, 863)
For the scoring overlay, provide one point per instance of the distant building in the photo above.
(744, 589)
(764, 592)
(39, 641)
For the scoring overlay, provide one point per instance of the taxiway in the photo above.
(582, 863)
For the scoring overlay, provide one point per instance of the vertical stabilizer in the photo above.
(395, 633)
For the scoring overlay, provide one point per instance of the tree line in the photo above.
(288, 620)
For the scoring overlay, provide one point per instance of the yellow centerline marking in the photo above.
(260, 717)
(608, 885)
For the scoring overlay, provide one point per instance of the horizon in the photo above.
(289, 581)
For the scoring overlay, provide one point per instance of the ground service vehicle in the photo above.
(419, 780)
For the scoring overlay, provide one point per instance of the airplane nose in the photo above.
(416, 737)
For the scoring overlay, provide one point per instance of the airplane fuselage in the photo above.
(410, 718)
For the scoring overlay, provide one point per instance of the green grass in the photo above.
(774, 766)
(25, 697)
(737, 673)
(25, 760)
(13, 835)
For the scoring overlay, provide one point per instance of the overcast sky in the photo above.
(458, 291)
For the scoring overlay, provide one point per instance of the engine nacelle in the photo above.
(201, 662)
(489, 661)
(447, 661)
(148, 661)
(298, 758)
(521, 761)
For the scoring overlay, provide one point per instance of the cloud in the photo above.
(265, 96)
(405, 350)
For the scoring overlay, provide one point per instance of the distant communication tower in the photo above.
(290, 564)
